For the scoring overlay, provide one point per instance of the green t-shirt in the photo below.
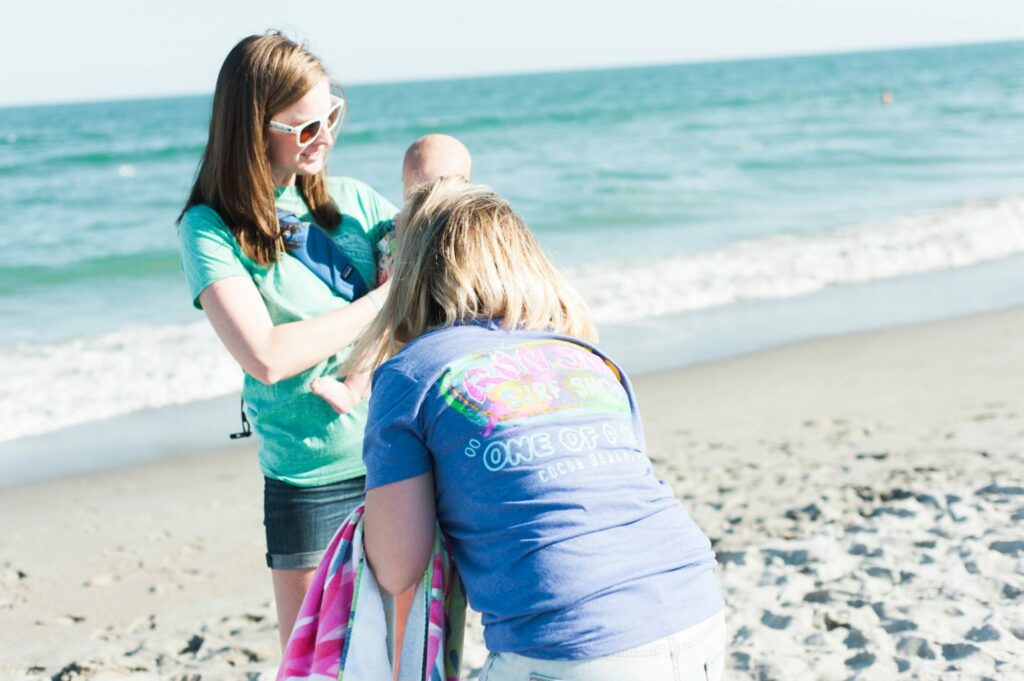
(303, 441)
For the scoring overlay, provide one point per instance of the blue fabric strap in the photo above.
(315, 249)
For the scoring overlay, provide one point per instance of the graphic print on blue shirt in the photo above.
(538, 381)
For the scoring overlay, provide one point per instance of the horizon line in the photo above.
(553, 71)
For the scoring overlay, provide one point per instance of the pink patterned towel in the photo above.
(345, 627)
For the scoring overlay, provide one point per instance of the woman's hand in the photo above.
(342, 396)
(272, 353)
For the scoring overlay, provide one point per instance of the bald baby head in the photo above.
(433, 156)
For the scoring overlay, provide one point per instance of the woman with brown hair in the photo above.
(273, 124)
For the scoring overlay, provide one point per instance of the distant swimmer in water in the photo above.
(887, 98)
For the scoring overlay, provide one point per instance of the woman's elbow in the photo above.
(395, 571)
(398, 581)
(265, 369)
(262, 373)
(269, 375)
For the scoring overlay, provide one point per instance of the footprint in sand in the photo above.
(983, 634)
(958, 651)
(193, 645)
(770, 619)
(14, 587)
(1010, 548)
(817, 597)
(74, 670)
(915, 646)
(855, 639)
(101, 581)
(861, 660)
(877, 456)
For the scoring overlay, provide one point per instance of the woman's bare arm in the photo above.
(271, 353)
(399, 531)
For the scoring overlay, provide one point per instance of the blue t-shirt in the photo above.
(567, 543)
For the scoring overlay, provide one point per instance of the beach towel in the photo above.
(346, 625)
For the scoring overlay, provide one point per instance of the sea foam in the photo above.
(45, 387)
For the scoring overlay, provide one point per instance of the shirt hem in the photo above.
(345, 474)
(610, 646)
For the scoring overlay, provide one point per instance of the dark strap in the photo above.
(246, 428)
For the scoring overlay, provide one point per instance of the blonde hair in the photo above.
(261, 76)
(464, 255)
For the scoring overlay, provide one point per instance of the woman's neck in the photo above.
(283, 179)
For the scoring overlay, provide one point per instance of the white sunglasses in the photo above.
(310, 130)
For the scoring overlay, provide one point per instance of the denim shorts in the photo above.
(696, 653)
(301, 521)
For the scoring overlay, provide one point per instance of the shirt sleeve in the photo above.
(209, 252)
(393, 443)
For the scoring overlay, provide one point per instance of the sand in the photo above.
(865, 495)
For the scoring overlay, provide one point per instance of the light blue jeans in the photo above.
(693, 654)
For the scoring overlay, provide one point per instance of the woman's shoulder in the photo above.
(420, 357)
(202, 230)
(349, 187)
(427, 356)
(355, 196)
(346, 182)
(202, 217)
(432, 352)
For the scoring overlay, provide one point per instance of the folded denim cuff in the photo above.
(294, 561)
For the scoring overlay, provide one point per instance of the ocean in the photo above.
(702, 209)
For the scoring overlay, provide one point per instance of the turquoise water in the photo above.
(663, 191)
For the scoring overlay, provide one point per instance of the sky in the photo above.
(116, 49)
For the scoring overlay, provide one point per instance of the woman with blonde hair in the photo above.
(493, 413)
(274, 121)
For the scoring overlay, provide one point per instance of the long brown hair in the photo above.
(262, 75)
(462, 255)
